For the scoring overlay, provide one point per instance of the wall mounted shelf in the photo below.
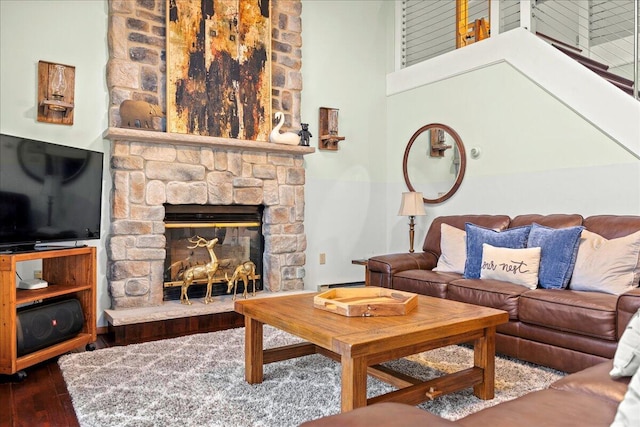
(56, 93)
(328, 125)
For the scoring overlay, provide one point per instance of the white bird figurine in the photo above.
(288, 138)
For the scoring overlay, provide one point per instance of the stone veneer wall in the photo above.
(147, 174)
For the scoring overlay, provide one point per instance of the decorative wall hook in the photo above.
(56, 92)
(328, 125)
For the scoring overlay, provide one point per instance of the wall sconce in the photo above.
(412, 205)
(329, 129)
(55, 93)
(437, 139)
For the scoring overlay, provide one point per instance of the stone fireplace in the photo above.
(152, 169)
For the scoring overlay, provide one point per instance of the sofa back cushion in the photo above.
(432, 240)
(612, 226)
(553, 220)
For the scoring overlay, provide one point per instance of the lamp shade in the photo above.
(412, 204)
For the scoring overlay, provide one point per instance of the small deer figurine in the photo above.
(200, 271)
(244, 272)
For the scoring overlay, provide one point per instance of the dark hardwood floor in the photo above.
(42, 398)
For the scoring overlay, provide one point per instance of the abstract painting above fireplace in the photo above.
(219, 68)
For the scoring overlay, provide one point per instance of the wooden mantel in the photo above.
(124, 134)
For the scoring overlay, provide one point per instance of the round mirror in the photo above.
(434, 162)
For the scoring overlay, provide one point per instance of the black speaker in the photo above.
(47, 324)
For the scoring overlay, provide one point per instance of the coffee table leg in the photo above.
(354, 383)
(484, 357)
(253, 351)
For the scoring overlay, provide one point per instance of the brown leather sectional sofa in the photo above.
(586, 398)
(563, 329)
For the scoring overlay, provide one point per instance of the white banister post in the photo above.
(494, 17)
(398, 30)
(584, 27)
(636, 49)
(526, 14)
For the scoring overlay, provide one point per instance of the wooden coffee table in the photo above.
(360, 344)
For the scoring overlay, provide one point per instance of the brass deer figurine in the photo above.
(200, 271)
(244, 272)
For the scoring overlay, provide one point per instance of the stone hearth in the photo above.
(150, 169)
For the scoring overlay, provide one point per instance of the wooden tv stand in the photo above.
(71, 273)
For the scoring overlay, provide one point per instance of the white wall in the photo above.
(66, 32)
(537, 154)
(345, 59)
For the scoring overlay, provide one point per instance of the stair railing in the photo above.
(603, 30)
(636, 49)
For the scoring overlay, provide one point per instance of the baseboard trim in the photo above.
(323, 288)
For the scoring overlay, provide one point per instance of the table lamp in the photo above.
(412, 205)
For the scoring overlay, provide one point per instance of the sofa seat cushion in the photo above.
(488, 293)
(382, 414)
(586, 313)
(551, 340)
(596, 381)
(424, 282)
(546, 408)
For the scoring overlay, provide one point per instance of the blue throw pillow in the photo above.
(514, 238)
(559, 249)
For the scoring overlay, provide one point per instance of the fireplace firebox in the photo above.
(240, 239)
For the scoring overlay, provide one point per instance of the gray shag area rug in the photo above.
(198, 380)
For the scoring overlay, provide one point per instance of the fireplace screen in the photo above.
(239, 233)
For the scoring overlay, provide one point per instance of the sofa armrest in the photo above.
(383, 267)
(628, 304)
(382, 414)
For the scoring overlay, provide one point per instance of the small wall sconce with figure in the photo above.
(56, 84)
(328, 125)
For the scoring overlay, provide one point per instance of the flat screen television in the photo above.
(49, 194)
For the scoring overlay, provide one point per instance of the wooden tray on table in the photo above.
(367, 301)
